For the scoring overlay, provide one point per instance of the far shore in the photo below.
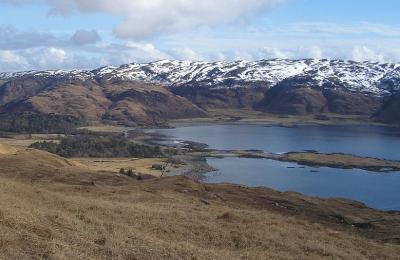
(247, 116)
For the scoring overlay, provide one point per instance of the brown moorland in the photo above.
(55, 208)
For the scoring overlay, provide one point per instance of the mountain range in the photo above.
(143, 94)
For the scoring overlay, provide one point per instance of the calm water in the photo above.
(379, 190)
(374, 189)
(381, 142)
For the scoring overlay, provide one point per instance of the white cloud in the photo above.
(52, 56)
(191, 30)
(10, 57)
(267, 52)
(220, 57)
(11, 61)
(315, 52)
(45, 57)
(363, 53)
(186, 54)
(271, 53)
(116, 54)
(141, 52)
(147, 18)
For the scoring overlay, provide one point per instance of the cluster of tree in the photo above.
(87, 144)
(29, 123)
(131, 174)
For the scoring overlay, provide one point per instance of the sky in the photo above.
(86, 34)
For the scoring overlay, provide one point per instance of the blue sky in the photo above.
(76, 34)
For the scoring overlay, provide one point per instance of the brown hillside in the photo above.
(82, 101)
(286, 99)
(128, 103)
(294, 101)
(139, 102)
(390, 112)
(19, 90)
(244, 97)
(344, 102)
(52, 208)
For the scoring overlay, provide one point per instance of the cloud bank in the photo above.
(149, 18)
(149, 30)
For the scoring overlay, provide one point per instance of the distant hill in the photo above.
(125, 103)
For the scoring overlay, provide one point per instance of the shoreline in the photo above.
(245, 116)
(303, 158)
(195, 155)
(200, 176)
(372, 165)
(251, 117)
(200, 152)
(193, 163)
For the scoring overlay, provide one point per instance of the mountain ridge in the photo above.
(372, 78)
(150, 93)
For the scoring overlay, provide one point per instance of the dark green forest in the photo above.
(31, 123)
(98, 145)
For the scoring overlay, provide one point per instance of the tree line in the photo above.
(30, 123)
(98, 145)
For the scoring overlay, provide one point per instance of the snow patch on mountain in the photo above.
(367, 77)
(73, 74)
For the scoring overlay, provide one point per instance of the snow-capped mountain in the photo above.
(367, 77)
(75, 74)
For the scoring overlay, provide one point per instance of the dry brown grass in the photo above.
(6, 149)
(106, 128)
(143, 166)
(25, 140)
(58, 210)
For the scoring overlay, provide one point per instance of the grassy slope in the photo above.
(52, 208)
